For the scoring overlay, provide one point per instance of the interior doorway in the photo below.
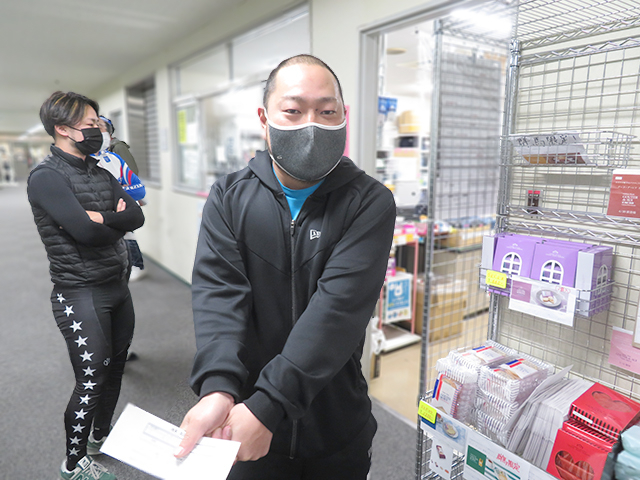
(435, 143)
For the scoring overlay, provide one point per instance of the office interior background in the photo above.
(182, 82)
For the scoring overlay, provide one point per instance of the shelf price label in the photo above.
(496, 279)
(427, 412)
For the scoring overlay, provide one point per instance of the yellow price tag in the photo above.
(427, 412)
(496, 279)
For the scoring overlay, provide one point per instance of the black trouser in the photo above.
(97, 324)
(351, 463)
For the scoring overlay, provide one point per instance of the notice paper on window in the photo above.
(148, 443)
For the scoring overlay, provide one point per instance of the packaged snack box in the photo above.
(605, 411)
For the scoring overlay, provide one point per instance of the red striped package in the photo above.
(605, 411)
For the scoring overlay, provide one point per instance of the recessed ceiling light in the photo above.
(396, 51)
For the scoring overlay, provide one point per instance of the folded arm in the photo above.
(52, 192)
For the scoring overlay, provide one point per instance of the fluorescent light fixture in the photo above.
(35, 129)
(481, 22)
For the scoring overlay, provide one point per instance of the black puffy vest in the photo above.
(72, 263)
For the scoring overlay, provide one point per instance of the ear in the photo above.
(263, 121)
(61, 130)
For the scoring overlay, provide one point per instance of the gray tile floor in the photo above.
(36, 378)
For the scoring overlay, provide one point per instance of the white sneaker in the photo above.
(136, 274)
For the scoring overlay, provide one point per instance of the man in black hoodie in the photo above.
(290, 260)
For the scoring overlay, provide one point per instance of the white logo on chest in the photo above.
(313, 234)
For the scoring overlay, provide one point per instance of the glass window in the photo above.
(203, 73)
(188, 140)
(217, 95)
(263, 49)
(232, 130)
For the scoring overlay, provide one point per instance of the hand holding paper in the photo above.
(147, 443)
(244, 427)
(205, 419)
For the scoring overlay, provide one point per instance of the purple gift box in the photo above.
(593, 279)
(513, 256)
(556, 262)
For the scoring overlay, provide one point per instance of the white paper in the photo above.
(148, 443)
(528, 296)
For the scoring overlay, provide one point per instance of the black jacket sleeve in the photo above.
(128, 220)
(332, 326)
(219, 279)
(51, 191)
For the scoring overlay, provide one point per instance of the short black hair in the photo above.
(304, 59)
(64, 109)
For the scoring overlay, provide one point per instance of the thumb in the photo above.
(189, 441)
(226, 433)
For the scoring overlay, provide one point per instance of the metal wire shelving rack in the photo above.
(574, 67)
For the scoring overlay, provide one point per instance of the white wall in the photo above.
(170, 233)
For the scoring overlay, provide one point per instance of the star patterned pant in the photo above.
(97, 324)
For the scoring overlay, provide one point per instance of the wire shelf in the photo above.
(543, 215)
(588, 302)
(457, 469)
(574, 68)
(549, 22)
(593, 234)
(598, 148)
(580, 50)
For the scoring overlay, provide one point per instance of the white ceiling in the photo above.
(78, 45)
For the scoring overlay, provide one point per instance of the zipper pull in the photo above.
(292, 228)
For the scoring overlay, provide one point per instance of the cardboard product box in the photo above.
(489, 243)
(488, 249)
(463, 237)
(513, 256)
(520, 246)
(555, 263)
(568, 243)
(408, 122)
(448, 302)
(577, 458)
(605, 410)
(593, 279)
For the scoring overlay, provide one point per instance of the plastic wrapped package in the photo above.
(496, 407)
(493, 427)
(627, 466)
(631, 440)
(454, 391)
(489, 354)
(513, 381)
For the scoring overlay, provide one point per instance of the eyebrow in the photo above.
(298, 98)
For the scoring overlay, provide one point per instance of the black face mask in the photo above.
(92, 140)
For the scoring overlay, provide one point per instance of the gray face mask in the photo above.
(307, 152)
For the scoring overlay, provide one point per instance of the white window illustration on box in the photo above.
(552, 272)
(602, 279)
(511, 264)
